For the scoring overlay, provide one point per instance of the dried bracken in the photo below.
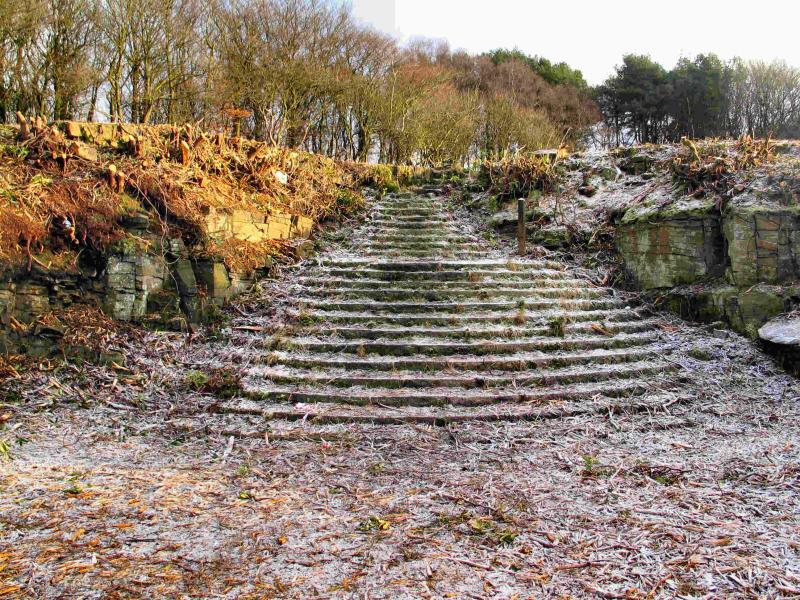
(711, 166)
(516, 176)
(62, 196)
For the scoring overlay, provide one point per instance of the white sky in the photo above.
(593, 35)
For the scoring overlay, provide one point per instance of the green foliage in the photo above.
(196, 380)
(306, 319)
(636, 98)
(392, 187)
(696, 103)
(13, 151)
(704, 97)
(379, 177)
(593, 468)
(349, 202)
(556, 326)
(554, 73)
(5, 450)
(374, 523)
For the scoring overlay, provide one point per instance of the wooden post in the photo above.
(24, 126)
(521, 233)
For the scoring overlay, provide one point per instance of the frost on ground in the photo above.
(120, 482)
(114, 486)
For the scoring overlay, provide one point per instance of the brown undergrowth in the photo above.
(711, 166)
(60, 196)
(518, 175)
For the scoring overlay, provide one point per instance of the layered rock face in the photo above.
(739, 265)
(677, 245)
(154, 273)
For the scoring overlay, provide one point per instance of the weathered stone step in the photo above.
(422, 238)
(436, 285)
(403, 228)
(417, 202)
(412, 346)
(477, 274)
(440, 253)
(417, 245)
(443, 396)
(323, 413)
(514, 317)
(487, 264)
(407, 213)
(462, 333)
(419, 380)
(414, 245)
(376, 307)
(508, 362)
(389, 294)
(469, 249)
(415, 222)
(411, 229)
(408, 206)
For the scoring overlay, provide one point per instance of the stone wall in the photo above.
(256, 226)
(145, 277)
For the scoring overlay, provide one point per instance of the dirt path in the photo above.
(677, 476)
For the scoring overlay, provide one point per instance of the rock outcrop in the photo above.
(739, 264)
(678, 244)
(781, 337)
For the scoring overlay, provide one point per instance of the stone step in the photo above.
(441, 253)
(471, 250)
(442, 396)
(421, 321)
(405, 213)
(414, 346)
(436, 285)
(422, 238)
(326, 412)
(462, 333)
(418, 380)
(445, 275)
(439, 230)
(509, 362)
(487, 264)
(417, 245)
(460, 307)
(388, 294)
(514, 317)
(411, 222)
(412, 203)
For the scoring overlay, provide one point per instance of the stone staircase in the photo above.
(419, 321)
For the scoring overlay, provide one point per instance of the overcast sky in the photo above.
(593, 35)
